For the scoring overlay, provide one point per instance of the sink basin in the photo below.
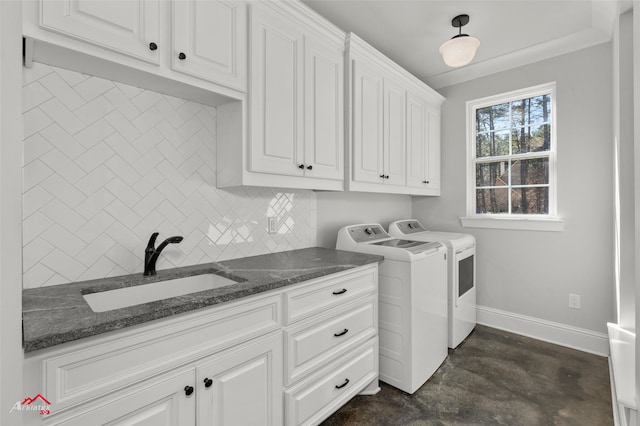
(130, 296)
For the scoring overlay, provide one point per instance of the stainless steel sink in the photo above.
(130, 296)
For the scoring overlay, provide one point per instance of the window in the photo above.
(511, 157)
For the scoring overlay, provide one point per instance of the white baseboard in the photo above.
(548, 331)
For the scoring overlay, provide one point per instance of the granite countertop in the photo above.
(58, 314)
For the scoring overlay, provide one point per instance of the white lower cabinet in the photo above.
(242, 386)
(315, 398)
(239, 386)
(331, 351)
(162, 401)
(224, 365)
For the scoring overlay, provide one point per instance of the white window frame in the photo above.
(541, 222)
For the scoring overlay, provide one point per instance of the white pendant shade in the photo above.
(459, 51)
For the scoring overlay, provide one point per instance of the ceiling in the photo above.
(511, 32)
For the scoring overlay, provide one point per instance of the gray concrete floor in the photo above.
(496, 378)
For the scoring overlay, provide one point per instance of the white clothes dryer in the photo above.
(461, 250)
(412, 312)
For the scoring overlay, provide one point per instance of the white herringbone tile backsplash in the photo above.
(107, 164)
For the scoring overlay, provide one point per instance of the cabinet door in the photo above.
(367, 137)
(324, 109)
(276, 120)
(243, 385)
(212, 36)
(417, 141)
(394, 133)
(126, 26)
(157, 402)
(432, 175)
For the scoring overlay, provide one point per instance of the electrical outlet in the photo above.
(574, 301)
(272, 225)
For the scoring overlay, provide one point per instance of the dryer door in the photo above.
(466, 272)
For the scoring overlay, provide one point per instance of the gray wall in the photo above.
(338, 209)
(532, 272)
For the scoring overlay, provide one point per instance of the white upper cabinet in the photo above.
(194, 49)
(423, 145)
(432, 172)
(210, 39)
(394, 129)
(131, 27)
(294, 136)
(324, 111)
(417, 141)
(277, 85)
(394, 122)
(367, 140)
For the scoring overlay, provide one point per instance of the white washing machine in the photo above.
(412, 304)
(461, 250)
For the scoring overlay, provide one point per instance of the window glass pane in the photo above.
(534, 171)
(493, 200)
(530, 200)
(494, 117)
(491, 144)
(531, 139)
(492, 174)
(513, 162)
(531, 110)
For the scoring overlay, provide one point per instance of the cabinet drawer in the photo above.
(312, 400)
(318, 296)
(90, 371)
(314, 343)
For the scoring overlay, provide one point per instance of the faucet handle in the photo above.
(152, 241)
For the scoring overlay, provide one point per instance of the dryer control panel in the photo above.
(410, 227)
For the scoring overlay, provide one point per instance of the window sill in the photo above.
(518, 223)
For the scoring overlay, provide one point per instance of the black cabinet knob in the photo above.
(425, 181)
(382, 176)
(182, 56)
(188, 390)
(301, 166)
(153, 46)
(207, 382)
(309, 167)
(386, 177)
(346, 382)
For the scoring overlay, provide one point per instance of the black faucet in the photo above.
(151, 253)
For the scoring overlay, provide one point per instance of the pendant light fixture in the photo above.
(461, 49)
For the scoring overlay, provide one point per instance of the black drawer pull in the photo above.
(346, 382)
(342, 333)
(344, 290)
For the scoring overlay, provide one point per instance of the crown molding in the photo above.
(557, 47)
